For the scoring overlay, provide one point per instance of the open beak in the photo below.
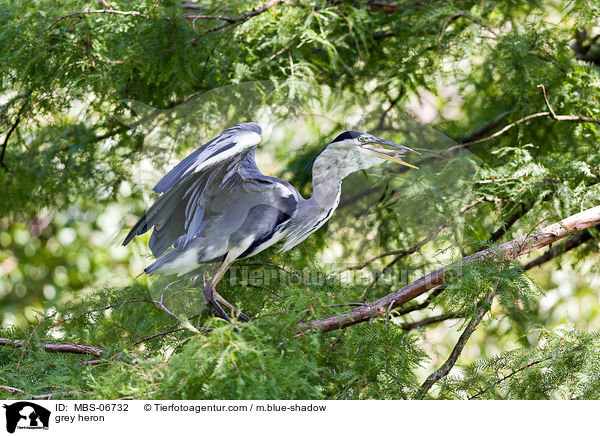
(390, 151)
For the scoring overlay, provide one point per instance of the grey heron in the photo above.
(216, 206)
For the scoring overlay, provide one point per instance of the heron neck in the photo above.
(327, 178)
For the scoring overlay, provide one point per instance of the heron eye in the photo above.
(361, 139)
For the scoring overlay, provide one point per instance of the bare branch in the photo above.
(105, 3)
(393, 103)
(55, 394)
(210, 17)
(41, 396)
(552, 253)
(517, 247)
(166, 332)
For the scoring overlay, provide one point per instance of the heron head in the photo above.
(375, 146)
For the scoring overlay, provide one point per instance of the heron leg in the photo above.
(209, 296)
(213, 298)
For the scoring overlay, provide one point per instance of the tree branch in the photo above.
(41, 396)
(486, 128)
(529, 365)
(376, 5)
(556, 251)
(443, 371)
(95, 11)
(511, 249)
(56, 348)
(238, 20)
(550, 112)
(498, 133)
(552, 253)
(11, 131)
(576, 118)
(427, 321)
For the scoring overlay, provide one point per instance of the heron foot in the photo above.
(210, 300)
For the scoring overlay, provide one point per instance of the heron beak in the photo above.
(390, 151)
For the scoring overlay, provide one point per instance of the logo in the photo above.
(26, 415)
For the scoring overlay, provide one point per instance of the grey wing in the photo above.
(178, 214)
(224, 144)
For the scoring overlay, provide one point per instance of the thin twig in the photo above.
(11, 131)
(550, 112)
(577, 118)
(486, 128)
(105, 3)
(496, 180)
(11, 389)
(498, 133)
(408, 251)
(443, 371)
(158, 335)
(428, 321)
(110, 306)
(41, 396)
(210, 17)
(393, 104)
(238, 20)
(546, 100)
(529, 365)
(95, 11)
(26, 345)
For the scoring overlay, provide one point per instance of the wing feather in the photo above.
(223, 146)
(179, 211)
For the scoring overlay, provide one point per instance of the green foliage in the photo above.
(564, 365)
(82, 143)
